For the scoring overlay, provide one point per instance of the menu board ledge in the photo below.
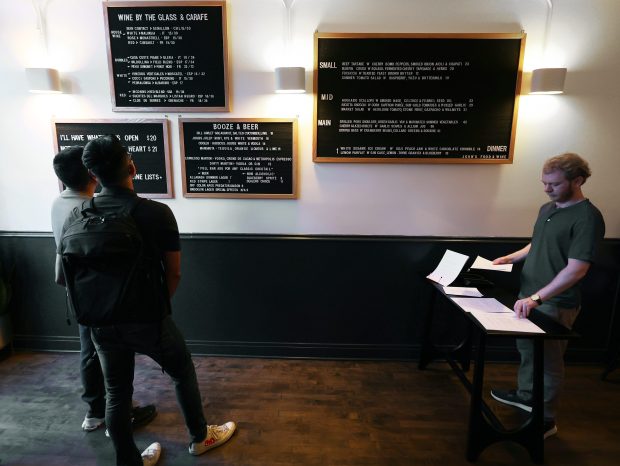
(172, 109)
(410, 160)
(419, 35)
(241, 196)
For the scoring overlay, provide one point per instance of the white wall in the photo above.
(367, 199)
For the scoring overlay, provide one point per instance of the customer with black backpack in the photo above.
(121, 260)
(79, 188)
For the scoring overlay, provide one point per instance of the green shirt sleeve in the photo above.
(587, 233)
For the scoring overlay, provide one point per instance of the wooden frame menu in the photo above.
(416, 98)
(167, 55)
(146, 140)
(239, 157)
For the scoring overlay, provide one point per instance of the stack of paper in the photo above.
(481, 304)
(482, 263)
(462, 291)
(506, 322)
(493, 315)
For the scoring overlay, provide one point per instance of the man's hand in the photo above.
(172, 267)
(515, 257)
(523, 307)
(59, 275)
(502, 260)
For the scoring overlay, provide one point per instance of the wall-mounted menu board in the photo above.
(167, 55)
(146, 141)
(439, 98)
(239, 158)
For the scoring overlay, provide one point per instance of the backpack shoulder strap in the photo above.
(88, 206)
(131, 205)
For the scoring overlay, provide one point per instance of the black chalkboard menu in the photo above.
(425, 98)
(146, 141)
(167, 55)
(239, 158)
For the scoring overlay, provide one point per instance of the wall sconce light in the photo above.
(43, 80)
(548, 81)
(290, 80)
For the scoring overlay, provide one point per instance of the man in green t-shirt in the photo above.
(566, 235)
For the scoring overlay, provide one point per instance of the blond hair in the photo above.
(572, 165)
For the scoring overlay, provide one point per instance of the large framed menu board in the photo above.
(417, 98)
(239, 157)
(167, 55)
(146, 140)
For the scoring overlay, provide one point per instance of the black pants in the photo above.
(162, 342)
(91, 375)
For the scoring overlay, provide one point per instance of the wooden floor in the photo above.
(299, 412)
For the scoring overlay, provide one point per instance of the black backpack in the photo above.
(111, 274)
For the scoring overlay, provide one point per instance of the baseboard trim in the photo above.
(299, 350)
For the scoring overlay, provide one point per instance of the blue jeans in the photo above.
(91, 375)
(163, 343)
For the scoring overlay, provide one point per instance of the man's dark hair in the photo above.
(69, 168)
(106, 158)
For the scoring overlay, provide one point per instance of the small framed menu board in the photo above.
(147, 141)
(167, 55)
(239, 158)
(421, 98)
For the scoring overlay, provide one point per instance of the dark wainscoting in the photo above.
(305, 296)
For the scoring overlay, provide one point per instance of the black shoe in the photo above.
(511, 398)
(142, 415)
(549, 428)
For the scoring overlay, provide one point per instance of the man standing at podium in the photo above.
(566, 235)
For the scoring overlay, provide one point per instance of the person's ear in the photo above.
(132, 169)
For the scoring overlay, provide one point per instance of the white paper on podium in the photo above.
(487, 305)
(505, 322)
(482, 263)
(449, 268)
(462, 291)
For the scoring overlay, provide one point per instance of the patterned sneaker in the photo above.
(550, 428)
(216, 435)
(510, 397)
(92, 423)
(150, 456)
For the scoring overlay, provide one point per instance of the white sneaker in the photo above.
(92, 423)
(550, 428)
(216, 435)
(150, 456)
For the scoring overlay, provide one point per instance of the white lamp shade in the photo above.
(548, 81)
(290, 79)
(43, 80)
